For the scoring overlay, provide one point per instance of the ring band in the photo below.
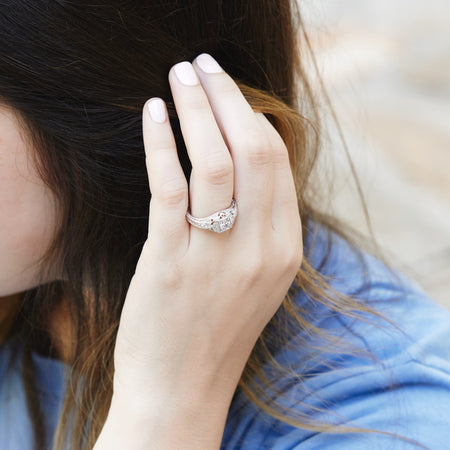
(218, 222)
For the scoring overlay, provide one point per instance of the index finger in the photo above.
(168, 230)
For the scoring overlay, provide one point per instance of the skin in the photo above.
(27, 213)
(27, 218)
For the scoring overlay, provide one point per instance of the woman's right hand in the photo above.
(199, 300)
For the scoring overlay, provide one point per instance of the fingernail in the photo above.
(157, 110)
(208, 64)
(186, 73)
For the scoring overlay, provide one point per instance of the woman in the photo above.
(133, 325)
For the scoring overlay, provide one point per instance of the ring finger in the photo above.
(246, 138)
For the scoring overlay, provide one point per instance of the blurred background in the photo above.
(386, 66)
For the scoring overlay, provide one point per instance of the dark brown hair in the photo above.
(77, 74)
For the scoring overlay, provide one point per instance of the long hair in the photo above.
(77, 74)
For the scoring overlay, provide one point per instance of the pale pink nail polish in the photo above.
(208, 64)
(157, 110)
(186, 73)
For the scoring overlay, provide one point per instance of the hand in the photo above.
(199, 300)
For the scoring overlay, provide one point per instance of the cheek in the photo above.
(32, 225)
(27, 220)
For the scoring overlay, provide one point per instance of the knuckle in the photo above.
(166, 273)
(170, 280)
(219, 171)
(280, 157)
(254, 268)
(162, 146)
(173, 191)
(293, 259)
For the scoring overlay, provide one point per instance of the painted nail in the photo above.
(157, 110)
(208, 64)
(186, 73)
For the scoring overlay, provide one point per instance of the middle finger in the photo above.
(212, 177)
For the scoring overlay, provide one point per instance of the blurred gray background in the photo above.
(386, 65)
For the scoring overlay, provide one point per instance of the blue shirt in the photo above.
(404, 389)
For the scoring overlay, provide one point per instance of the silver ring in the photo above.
(218, 222)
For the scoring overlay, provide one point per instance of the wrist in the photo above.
(195, 421)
